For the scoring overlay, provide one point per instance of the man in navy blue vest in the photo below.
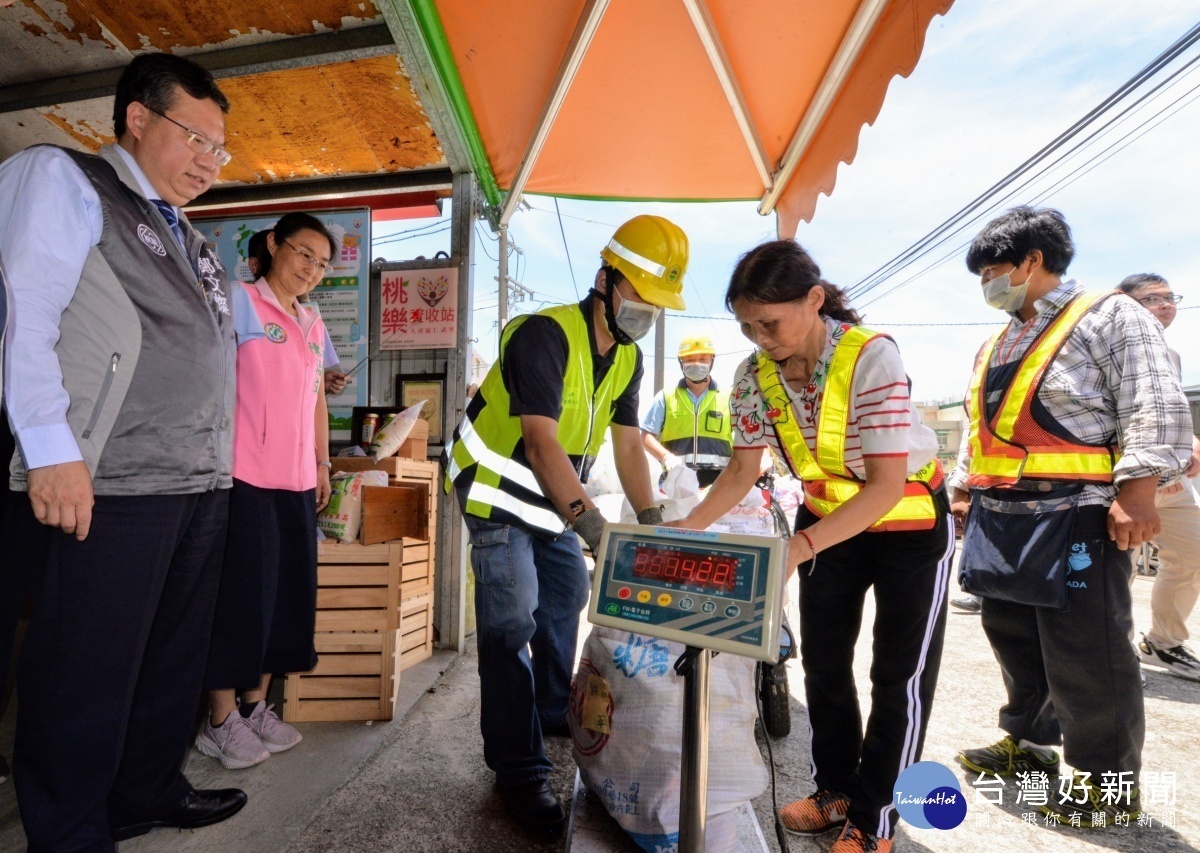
(120, 390)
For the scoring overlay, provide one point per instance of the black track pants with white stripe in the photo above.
(909, 572)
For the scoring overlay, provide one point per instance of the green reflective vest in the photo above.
(701, 435)
(486, 455)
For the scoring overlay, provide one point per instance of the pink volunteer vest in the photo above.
(278, 380)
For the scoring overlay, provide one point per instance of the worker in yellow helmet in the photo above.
(518, 462)
(689, 424)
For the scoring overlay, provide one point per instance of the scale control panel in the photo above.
(719, 591)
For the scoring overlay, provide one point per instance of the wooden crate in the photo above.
(394, 512)
(358, 586)
(416, 572)
(356, 678)
(397, 467)
(415, 642)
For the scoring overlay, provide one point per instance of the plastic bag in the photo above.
(626, 718)
(388, 440)
(342, 516)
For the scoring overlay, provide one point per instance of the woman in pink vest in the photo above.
(266, 610)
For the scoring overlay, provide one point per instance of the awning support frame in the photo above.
(856, 38)
(705, 28)
(581, 39)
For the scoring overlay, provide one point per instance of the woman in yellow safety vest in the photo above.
(832, 399)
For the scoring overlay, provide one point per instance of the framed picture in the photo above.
(413, 388)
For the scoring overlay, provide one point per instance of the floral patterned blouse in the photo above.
(883, 420)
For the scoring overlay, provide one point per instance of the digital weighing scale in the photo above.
(718, 592)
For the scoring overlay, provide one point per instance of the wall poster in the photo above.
(342, 298)
(418, 309)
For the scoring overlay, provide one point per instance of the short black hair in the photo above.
(256, 247)
(152, 79)
(1010, 239)
(293, 223)
(1137, 281)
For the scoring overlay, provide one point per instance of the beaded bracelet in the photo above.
(813, 565)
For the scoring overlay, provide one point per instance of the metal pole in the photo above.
(451, 570)
(660, 350)
(693, 785)
(502, 277)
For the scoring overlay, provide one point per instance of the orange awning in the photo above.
(644, 113)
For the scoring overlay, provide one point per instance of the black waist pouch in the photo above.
(1017, 543)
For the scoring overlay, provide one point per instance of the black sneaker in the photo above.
(1006, 758)
(1178, 660)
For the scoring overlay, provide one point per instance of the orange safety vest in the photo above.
(1012, 446)
(828, 483)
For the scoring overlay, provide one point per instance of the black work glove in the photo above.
(589, 526)
(651, 515)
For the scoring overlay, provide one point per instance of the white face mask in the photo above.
(635, 319)
(697, 371)
(1003, 295)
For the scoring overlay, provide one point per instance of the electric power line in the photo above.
(567, 249)
(953, 223)
(1087, 166)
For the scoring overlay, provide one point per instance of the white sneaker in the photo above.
(1179, 660)
(275, 734)
(233, 742)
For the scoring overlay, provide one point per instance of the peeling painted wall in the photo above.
(348, 118)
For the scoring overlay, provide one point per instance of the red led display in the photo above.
(708, 571)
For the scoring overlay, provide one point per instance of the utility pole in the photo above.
(502, 278)
(660, 349)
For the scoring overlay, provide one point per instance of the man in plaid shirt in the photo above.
(1071, 674)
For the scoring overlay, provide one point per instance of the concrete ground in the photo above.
(419, 782)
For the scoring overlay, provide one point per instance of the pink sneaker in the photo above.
(275, 734)
(233, 743)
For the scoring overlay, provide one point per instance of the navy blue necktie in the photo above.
(172, 218)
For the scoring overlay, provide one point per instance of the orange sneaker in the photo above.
(854, 840)
(816, 813)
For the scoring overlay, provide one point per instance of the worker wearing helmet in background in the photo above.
(518, 462)
(690, 425)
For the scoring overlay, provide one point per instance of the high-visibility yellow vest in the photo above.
(1013, 446)
(828, 483)
(486, 454)
(698, 433)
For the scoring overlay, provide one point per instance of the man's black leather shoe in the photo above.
(197, 809)
(534, 804)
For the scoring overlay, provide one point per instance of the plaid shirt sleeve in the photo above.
(957, 478)
(1154, 422)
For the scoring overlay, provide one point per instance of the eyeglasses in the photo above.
(310, 259)
(1159, 301)
(198, 142)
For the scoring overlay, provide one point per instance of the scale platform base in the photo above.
(592, 830)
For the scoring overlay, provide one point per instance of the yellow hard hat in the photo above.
(697, 345)
(652, 252)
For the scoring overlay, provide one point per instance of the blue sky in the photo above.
(996, 82)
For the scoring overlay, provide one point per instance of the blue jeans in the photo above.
(529, 593)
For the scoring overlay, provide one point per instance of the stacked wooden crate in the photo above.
(374, 600)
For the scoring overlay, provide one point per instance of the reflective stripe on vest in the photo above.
(486, 455)
(828, 483)
(1013, 446)
(691, 433)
